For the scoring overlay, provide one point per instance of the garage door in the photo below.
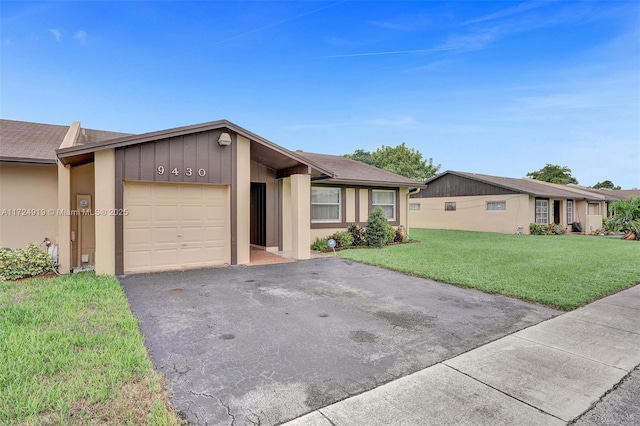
(175, 226)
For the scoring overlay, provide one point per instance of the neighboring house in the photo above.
(192, 196)
(612, 194)
(476, 202)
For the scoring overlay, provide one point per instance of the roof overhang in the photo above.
(330, 181)
(32, 161)
(282, 160)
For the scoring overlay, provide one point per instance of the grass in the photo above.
(71, 353)
(563, 272)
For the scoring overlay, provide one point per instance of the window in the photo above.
(496, 205)
(449, 206)
(385, 198)
(569, 211)
(325, 204)
(542, 212)
(414, 207)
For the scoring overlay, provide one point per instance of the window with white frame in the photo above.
(449, 206)
(325, 204)
(542, 212)
(414, 207)
(496, 205)
(569, 211)
(386, 199)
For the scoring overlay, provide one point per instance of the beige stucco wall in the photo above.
(351, 205)
(83, 225)
(32, 188)
(364, 204)
(105, 201)
(301, 216)
(243, 191)
(287, 210)
(471, 214)
(64, 221)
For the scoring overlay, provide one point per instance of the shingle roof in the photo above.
(30, 141)
(614, 194)
(37, 142)
(528, 186)
(347, 170)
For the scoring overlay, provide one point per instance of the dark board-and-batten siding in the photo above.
(197, 158)
(458, 186)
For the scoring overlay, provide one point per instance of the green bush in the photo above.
(376, 231)
(357, 232)
(391, 234)
(343, 239)
(320, 244)
(550, 229)
(21, 263)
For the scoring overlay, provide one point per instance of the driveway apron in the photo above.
(266, 344)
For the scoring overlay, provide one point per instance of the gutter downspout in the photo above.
(409, 192)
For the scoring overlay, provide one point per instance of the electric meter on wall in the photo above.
(84, 202)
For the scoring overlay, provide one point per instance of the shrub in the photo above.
(550, 229)
(376, 231)
(320, 244)
(391, 234)
(357, 232)
(626, 216)
(399, 237)
(343, 238)
(21, 263)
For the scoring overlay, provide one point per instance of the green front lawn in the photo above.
(564, 272)
(71, 353)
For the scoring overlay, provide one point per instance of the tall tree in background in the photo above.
(401, 160)
(554, 174)
(606, 184)
(362, 156)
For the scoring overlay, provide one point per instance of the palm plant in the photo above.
(626, 216)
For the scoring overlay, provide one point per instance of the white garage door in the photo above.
(175, 226)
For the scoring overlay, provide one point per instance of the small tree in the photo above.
(376, 230)
(606, 184)
(553, 174)
(362, 156)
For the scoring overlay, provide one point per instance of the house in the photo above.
(477, 202)
(193, 196)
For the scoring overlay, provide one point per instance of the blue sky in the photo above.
(499, 88)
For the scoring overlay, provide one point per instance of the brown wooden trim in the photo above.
(119, 204)
(343, 223)
(300, 169)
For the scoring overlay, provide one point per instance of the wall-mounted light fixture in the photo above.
(224, 139)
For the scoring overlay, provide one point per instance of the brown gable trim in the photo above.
(65, 153)
(567, 192)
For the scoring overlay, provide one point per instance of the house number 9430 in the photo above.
(187, 172)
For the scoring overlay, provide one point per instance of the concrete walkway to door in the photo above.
(548, 374)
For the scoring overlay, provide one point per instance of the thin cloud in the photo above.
(395, 122)
(57, 34)
(81, 36)
(391, 52)
(317, 126)
(510, 11)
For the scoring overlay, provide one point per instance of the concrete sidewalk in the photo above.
(548, 374)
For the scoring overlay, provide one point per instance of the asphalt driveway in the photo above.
(266, 344)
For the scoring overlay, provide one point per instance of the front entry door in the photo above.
(258, 214)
